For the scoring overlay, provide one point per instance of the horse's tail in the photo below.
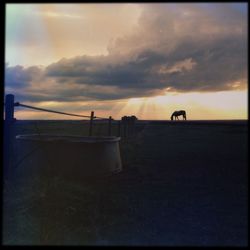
(185, 115)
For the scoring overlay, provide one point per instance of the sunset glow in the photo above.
(128, 59)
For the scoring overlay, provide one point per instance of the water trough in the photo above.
(77, 156)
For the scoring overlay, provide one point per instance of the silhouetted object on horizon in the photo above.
(128, 124)
(178, 113)
(129, 118)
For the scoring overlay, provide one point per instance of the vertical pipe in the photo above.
(109, 126)
(9, 118)
(91, 123)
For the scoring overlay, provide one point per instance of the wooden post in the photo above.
(109, 126)
(9, 108)
(9, 119)
(91, 123)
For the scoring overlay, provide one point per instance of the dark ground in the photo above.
(183, 184)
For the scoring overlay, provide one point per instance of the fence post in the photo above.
(119, 129)
(109, 126)
(9, 118)
(125, 128)
(91, 123)
(133, 127)
(129, 127)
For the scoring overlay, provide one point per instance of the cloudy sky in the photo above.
(124, 59)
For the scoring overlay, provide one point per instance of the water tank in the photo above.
(76, 157)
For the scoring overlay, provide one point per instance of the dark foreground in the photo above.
(183, 184)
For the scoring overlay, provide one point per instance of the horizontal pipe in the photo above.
(47, 110)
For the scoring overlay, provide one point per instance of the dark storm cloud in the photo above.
(130, 76)
(182, 47)
(18, 76)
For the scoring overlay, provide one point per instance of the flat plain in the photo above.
(184, 183)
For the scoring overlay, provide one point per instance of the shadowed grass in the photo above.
(181, 185)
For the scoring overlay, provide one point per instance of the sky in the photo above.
(122, 59)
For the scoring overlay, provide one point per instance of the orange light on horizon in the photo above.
(199, 106)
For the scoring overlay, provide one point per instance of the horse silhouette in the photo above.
(178, 113)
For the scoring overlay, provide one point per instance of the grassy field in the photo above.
(182, 184)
